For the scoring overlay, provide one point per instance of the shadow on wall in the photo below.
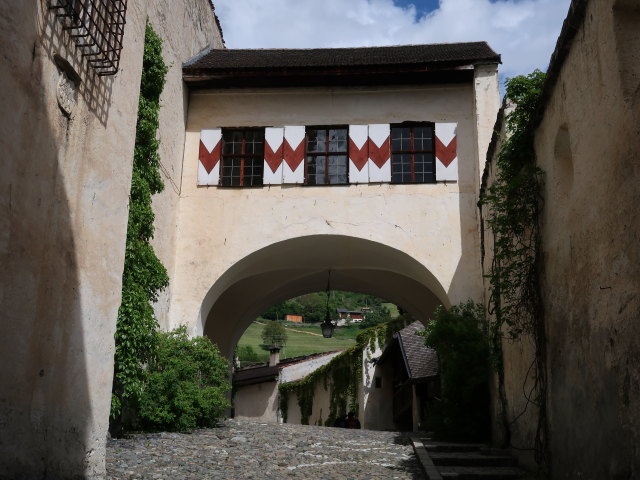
(297, 266)
(95, 90)
(45, 411)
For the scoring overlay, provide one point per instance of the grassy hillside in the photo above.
(305, 340)
(393, 310)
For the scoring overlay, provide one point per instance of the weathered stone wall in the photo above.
(588, 143)
(258, 402)
(376, 412)
(518, 356)
(63, 214)
(172, 20)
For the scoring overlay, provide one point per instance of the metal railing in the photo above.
(96, 27)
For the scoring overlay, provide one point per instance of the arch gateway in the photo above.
(361, 161)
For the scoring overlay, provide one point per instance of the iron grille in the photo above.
(96, 27)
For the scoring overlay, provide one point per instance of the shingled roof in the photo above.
(235, 67)
(420, 360)
(448, 53)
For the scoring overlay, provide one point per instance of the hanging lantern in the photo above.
(327, 326)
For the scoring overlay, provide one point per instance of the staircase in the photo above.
(461, 461)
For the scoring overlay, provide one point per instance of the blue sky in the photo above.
(422, 6)
(524, 32)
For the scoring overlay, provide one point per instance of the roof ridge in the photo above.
(399, 45)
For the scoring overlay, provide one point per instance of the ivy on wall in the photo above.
(342, 376)
(144, 275)
(514, 205)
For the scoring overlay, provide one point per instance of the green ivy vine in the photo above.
(514, 205)
(342, 376)
(144, 275)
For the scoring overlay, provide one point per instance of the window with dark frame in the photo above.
(242, 157)
(327, 156)
(412, 153)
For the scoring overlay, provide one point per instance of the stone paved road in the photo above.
(242, 450)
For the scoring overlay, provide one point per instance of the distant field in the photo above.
(297, 343)
(393, 310)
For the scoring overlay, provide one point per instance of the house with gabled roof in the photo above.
(409, 371)
(255, 388)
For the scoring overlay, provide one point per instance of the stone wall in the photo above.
(588, 143)
(258, 402)
(67, 142)
(170, 19)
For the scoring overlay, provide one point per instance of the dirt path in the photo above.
(293, 330)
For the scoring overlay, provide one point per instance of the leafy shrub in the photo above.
(246, 354)
(378, 314)
(463, 351)
(185, 383)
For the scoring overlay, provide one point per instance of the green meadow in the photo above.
(299, 342)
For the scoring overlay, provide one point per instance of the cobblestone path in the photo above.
(242, 450)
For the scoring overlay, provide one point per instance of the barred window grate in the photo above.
(97, 28)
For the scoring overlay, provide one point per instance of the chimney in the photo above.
(274, 355)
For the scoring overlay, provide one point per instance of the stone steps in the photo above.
(472, 459)
(465, 461)
(481, 472)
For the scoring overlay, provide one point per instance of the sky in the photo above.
(524, 32)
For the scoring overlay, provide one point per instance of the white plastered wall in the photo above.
(435, 224)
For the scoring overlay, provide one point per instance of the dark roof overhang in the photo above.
(253, 375)
(409, 64)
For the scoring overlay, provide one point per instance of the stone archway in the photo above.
(296, 266)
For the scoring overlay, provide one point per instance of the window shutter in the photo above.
(209, 156)
(293, 152)
(446, 152)
(379, 153)
(273, 155)
(358, 153)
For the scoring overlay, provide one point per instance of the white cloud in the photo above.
(523, 31)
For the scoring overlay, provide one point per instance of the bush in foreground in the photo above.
(185, 384)
(463, 351)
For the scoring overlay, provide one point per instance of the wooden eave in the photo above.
(199, 78)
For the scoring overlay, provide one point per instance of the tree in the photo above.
(462, 344)
(376, 316)
(274, 333)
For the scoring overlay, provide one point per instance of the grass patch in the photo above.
(299, 343)
(393, 309)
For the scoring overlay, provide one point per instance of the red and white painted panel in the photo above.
(446, 152)
(379, 153)
(273, 155)
(358, 153)
(209, 156)
(293, 153)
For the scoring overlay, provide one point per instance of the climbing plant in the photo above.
(514, 204)
(341, 376)
(144, 276)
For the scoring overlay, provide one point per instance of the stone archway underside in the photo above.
(301, 265)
